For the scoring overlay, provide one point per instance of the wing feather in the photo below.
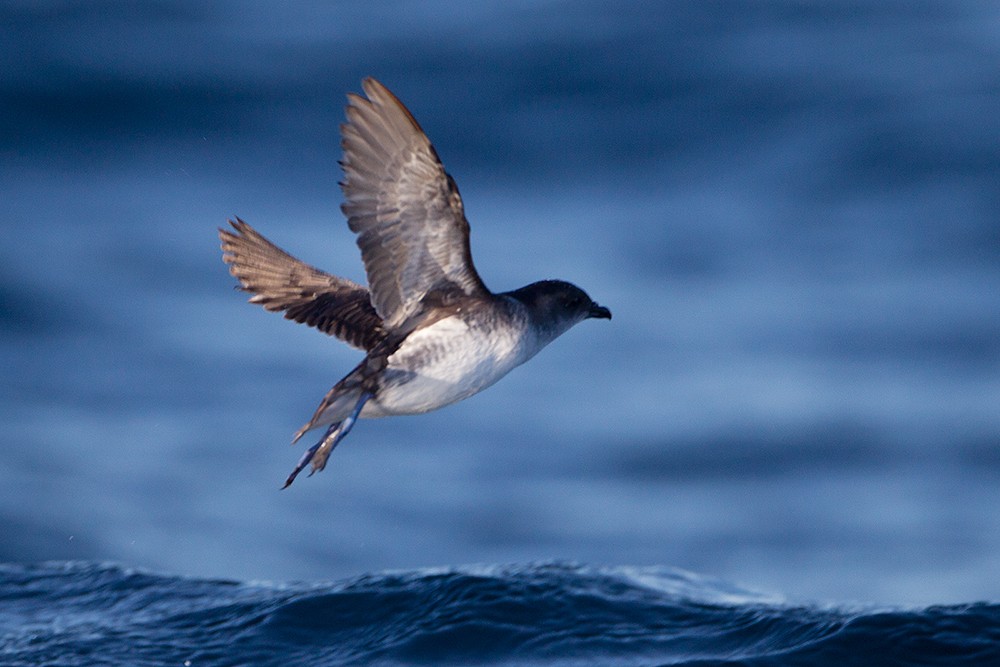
(404, 207)
(280, 282)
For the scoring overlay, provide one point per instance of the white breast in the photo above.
(447, 362)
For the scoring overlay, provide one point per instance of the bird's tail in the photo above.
(338, 403)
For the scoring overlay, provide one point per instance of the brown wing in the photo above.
(280, 282)
(406, 210)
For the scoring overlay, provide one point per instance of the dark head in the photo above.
(556, 306)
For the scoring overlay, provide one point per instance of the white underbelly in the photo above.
(443, 364)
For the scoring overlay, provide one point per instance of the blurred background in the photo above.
(790, 207)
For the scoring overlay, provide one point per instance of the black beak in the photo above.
(600, 312)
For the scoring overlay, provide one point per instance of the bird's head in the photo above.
(556, 306)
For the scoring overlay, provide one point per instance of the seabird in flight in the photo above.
(433, 333)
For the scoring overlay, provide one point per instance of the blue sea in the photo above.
(540, 614)
(783, 450)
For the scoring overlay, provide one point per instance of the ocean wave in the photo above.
(538, 614)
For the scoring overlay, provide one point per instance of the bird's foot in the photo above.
(308, 455)
(320, 452)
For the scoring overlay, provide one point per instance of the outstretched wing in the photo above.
(279, 282)
(406, 210)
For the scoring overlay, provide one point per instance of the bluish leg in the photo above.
(320, 452)
(333, 439)
(309, 453)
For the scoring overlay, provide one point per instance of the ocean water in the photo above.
(791, 209)
(543, 614)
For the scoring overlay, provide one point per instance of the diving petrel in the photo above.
(433, 332)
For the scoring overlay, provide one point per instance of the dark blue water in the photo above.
(791, 209)
(550, 614)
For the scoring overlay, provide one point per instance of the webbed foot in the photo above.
(320, 452)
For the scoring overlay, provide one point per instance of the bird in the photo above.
(433, 333)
